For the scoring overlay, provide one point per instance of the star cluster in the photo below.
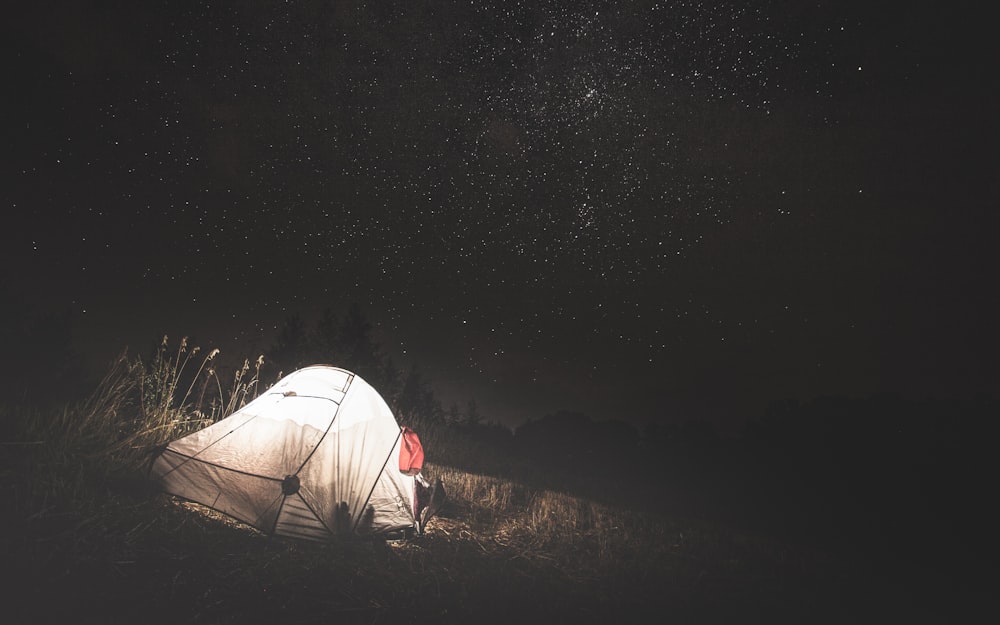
(551, 196)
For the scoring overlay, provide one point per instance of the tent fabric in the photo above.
(316, 455)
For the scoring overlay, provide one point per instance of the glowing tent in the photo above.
(316, 455)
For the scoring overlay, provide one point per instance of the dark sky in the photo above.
(640, 210)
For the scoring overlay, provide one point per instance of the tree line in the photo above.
(909, 477)
(883, 472)
(346, 340)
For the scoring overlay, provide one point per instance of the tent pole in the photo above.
(375, 483)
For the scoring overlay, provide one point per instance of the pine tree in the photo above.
(291, 349)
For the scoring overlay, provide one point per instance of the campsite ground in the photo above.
(85, 538)
(117, 552)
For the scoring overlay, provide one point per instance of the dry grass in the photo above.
(82, 524)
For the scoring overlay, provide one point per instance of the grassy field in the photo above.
(115, 551)
(87, 539)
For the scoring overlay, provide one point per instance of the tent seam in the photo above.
(375, 482)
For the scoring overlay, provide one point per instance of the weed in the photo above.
(510, 542)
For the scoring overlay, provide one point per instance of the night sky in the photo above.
(638, 210)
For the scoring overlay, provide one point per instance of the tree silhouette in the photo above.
(416, 401)
(355, 349)
(326, 336)
(472, 415)
(347, 342)
(389, 381)
(291, 349)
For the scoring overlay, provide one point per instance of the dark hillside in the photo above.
(836, 510)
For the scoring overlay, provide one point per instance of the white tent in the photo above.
(315, 456)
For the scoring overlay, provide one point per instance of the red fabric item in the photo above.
(411, 453)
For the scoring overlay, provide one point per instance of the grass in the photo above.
(89, 540)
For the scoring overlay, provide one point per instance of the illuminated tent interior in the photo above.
(316, 456)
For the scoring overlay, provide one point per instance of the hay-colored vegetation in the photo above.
(91, 541)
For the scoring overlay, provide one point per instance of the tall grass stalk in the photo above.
(135, 408)
(240, 389)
